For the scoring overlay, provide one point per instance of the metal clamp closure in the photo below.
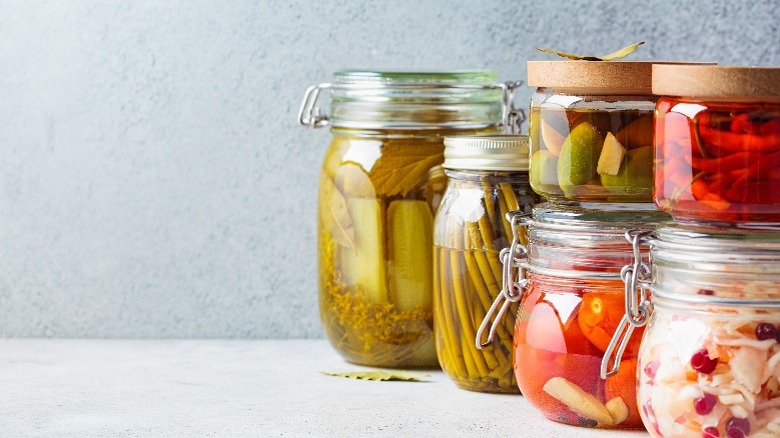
(513, 282)
(513, 117)
(310, 114)
(638, 307)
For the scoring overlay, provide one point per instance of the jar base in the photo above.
(492, 387)
(592, 424)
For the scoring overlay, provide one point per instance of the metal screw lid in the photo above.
(493, 152)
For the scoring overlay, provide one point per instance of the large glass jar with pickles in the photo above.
(488, 178)
(380, 185)
(591, 130)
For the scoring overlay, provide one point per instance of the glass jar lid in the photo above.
(489, 152)
(374, 99)
(717, 82)
(582, 223)
(586, 242)
(722, 252)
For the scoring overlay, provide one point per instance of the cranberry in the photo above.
(710, 432)
(737, 427)
(766, 331)
(651, 369)
(702, 363)
(705, 404)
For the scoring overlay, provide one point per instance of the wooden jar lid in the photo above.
(714, 81)
(598, 77)
(613, 77)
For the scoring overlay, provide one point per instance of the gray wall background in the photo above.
(153, 180)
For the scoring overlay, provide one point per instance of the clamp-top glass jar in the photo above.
(572, 302)
(591, 129)
(709, 362)
(717, 137)
(488, 178)
(379, 189)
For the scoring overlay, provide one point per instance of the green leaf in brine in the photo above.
(622, 53)
(406, 376)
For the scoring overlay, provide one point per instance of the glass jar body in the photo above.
(377, 198)
(591, 148)
(469, 231)
(706, 368)
(563, 327)
(717, 161)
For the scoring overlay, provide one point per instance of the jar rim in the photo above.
(389, 78)
(602, 218)
(676, 299)
(423, 100)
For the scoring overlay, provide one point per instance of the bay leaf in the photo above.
(406, 376)
(622, 53)
(404, 165)
(334, 213)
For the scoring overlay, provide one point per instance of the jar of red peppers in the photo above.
(572, 303)
(380, 185)
(591, 130)
(717, 139)
(709, 362)
(488, 178)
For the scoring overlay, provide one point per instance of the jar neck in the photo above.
(417, 106)
(468, 178)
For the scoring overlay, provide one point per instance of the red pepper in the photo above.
(739, 160)
(757, 192)
(761, 169)
(772, 127)
(736, 123)
(719, 183)
(739, 142)
(699, 189)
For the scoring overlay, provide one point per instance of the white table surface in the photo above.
(238, 388)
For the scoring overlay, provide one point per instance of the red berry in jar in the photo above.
(765, 331)
(710, 432)
(737, 428)
(705, 404)
(701, 362)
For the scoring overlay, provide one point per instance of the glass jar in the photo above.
(717, 139)
(591, 129)
(488, 178)
(379, 188)
(709, 362)
(572, 304)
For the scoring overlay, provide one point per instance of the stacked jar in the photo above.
(591, 135)
(380, 186)
(488, 178)
(709, 362)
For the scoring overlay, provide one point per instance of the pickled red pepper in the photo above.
(721, 163)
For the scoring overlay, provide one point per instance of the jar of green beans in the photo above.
(488, 177)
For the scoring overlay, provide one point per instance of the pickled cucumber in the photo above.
(365, 263)
(410, 224)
